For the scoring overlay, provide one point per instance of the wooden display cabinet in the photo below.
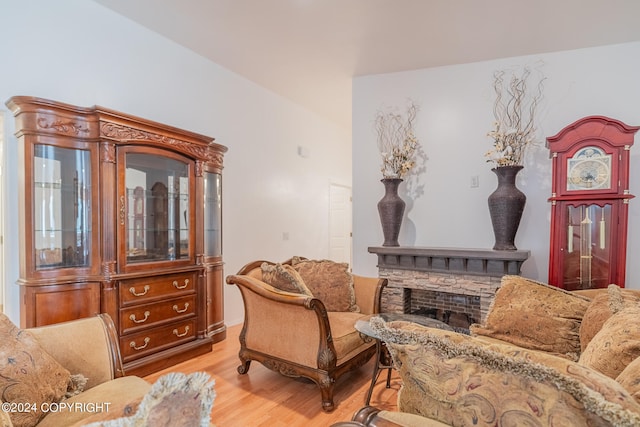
(121, 215)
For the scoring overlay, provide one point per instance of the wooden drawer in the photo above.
(153, 314)
(137, 345)
(146, 289)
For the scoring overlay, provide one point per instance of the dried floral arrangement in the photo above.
(396, 141)
(515, 112)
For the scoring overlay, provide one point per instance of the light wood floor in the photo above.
(263, 398)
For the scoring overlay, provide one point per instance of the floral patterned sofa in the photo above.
(543, 357)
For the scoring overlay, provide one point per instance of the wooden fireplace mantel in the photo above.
(483, 262)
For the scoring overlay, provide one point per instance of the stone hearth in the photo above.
(445, 281)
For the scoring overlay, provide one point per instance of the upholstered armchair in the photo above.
(301, 323)
(77, 362)
(71, 374)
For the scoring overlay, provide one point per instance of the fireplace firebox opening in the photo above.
(456, 310)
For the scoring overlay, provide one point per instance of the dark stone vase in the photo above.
(506, 205)
(391, 209)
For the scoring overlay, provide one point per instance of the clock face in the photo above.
(589, 169)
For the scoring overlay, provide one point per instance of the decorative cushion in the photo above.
(284, 277)
(616, 345)
(28, 374)
(603, 306)
(629, 378)
(329, 281)
(458, 380)
(536, 316)
(175, 400)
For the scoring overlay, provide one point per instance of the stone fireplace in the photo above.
(454, 285)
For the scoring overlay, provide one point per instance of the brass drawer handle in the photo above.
(186, 331)
(177, 310)
(186, 283)
(133, 291)
(146, 342)
(146, 316)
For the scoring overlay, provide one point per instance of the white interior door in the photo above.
(340, 223)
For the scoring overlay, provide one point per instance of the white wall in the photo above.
(79, 52)
(456, 114)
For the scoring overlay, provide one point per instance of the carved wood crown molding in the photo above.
(125, 133)
(64, 127)
(93, 123)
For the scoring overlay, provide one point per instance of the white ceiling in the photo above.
(308, 50)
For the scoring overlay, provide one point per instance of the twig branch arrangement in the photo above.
(396, 141)
(515, 111)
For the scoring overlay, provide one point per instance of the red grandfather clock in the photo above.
(589, 203)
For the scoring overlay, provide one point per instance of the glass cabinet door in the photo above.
(212, 215)
(61, 207)
(158, 207)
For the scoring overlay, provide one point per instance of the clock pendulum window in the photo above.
(587, 248)
(589, 203)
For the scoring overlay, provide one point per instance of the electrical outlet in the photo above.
(475, 181)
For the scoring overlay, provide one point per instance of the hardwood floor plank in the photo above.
(263, 398)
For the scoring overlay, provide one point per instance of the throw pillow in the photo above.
(536, 316)
(603, 306)
(459, 380)
(629, 378)
(616, 345)
(284, 277)
(175, 400)
(28, 374)
(329, 281)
